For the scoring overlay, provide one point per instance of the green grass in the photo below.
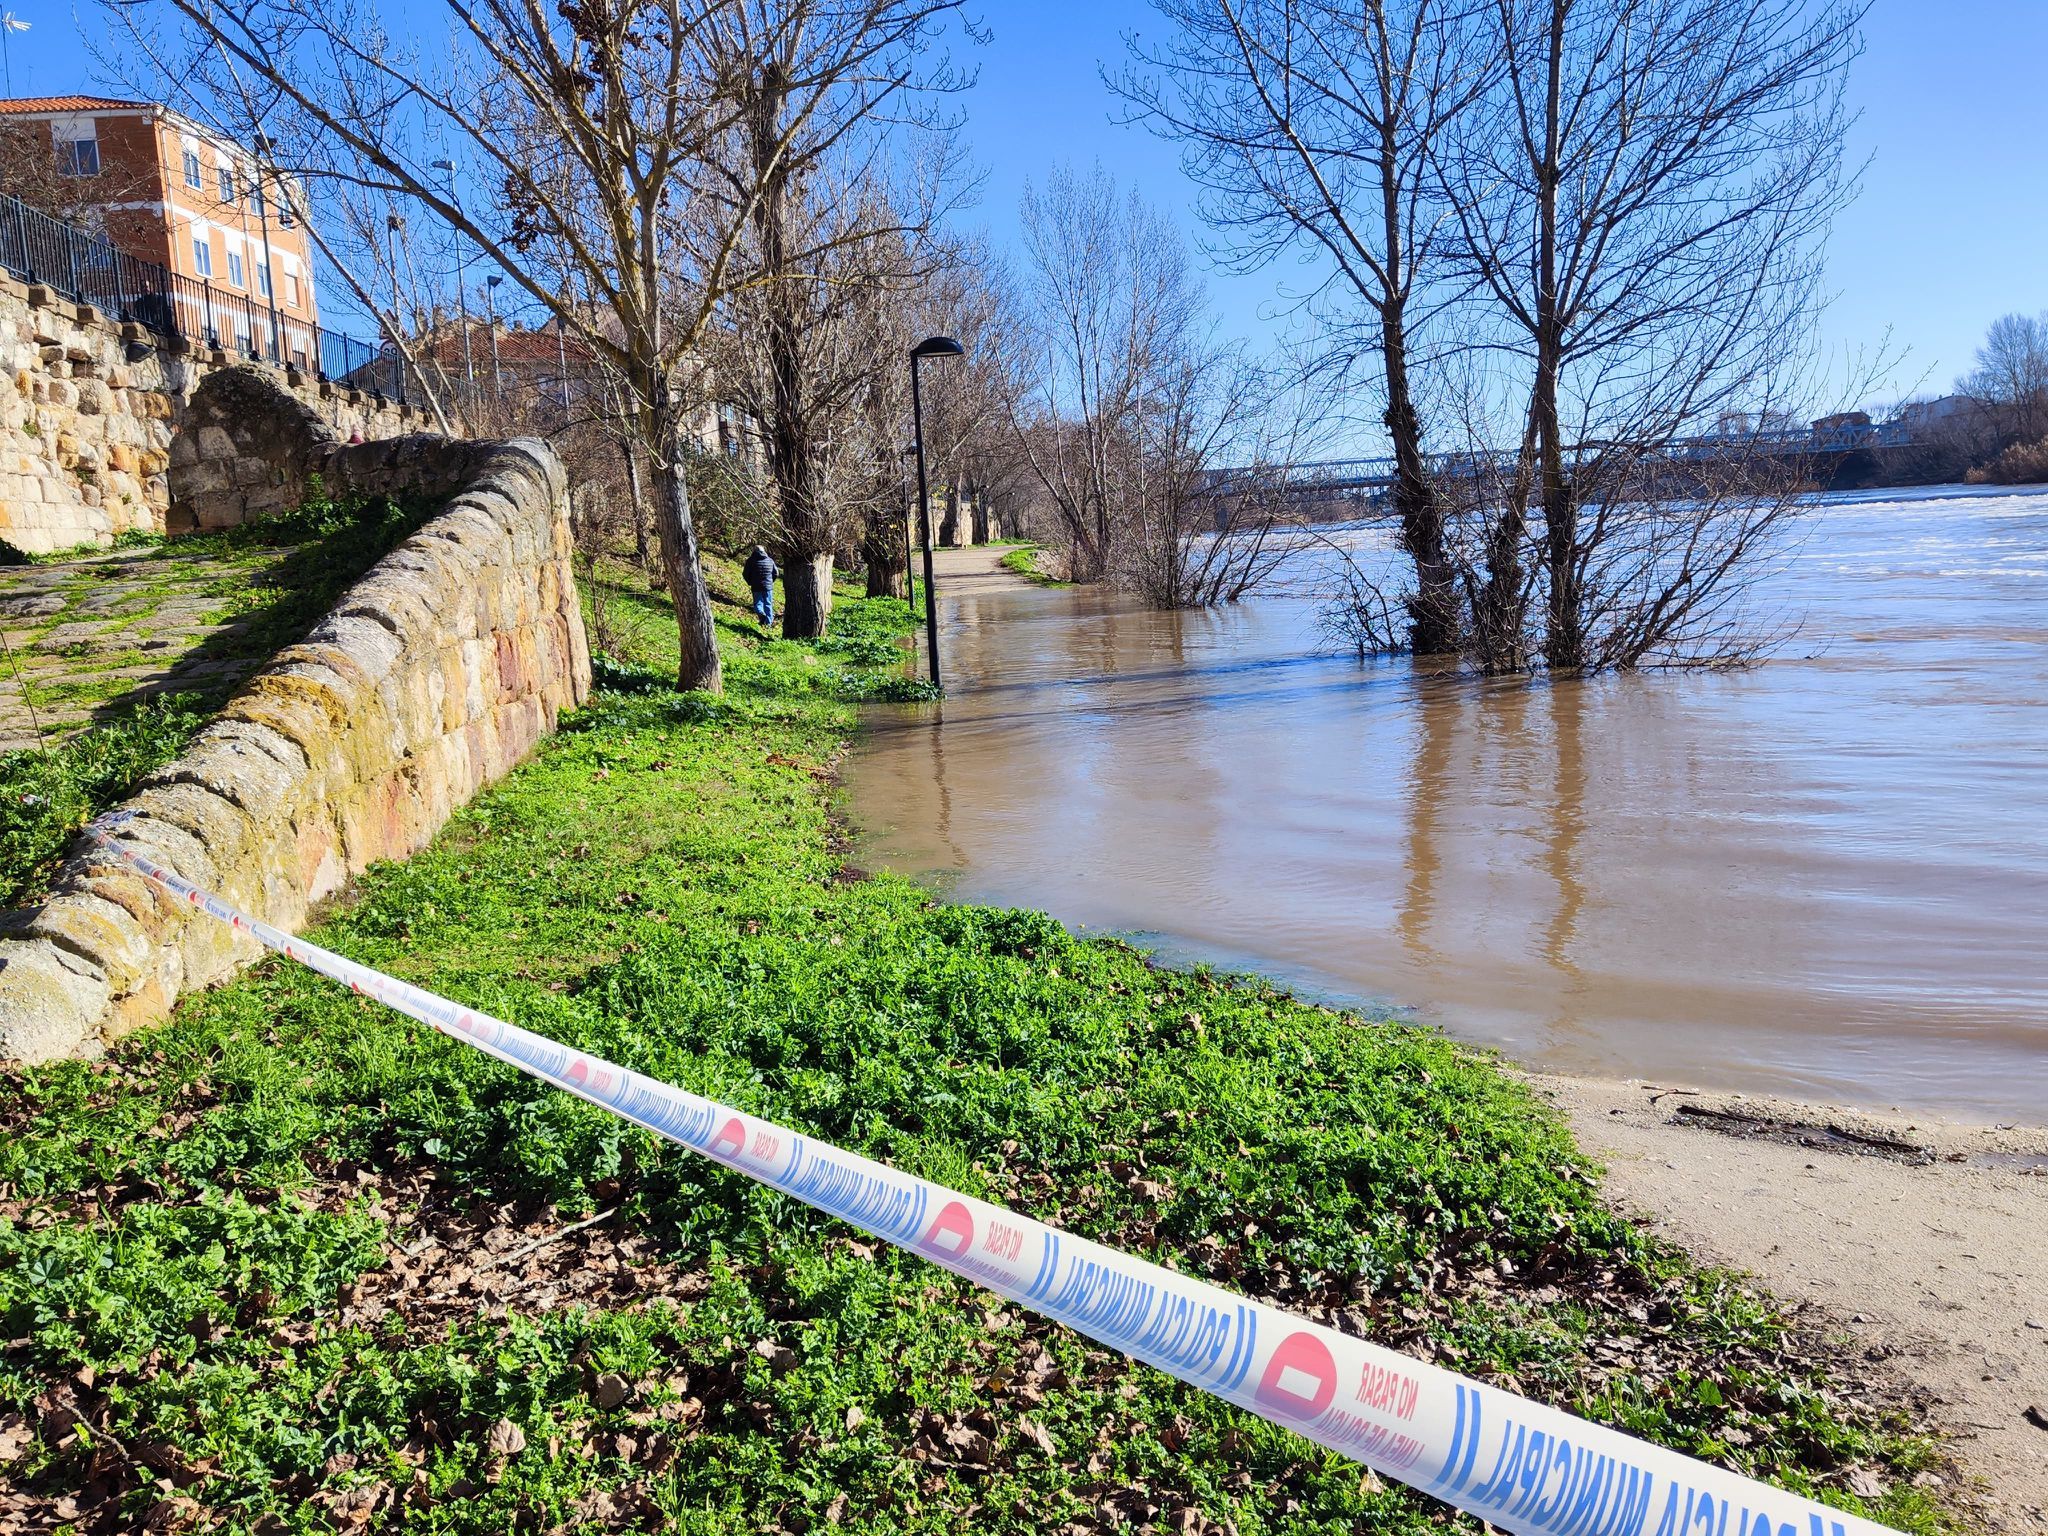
(1023, 560)
(47, 793)
(128, 538)
(236, 1260)
(46, 796)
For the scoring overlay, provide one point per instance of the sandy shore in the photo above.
(1926, 1242)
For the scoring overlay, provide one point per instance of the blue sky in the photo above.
(1950, 231)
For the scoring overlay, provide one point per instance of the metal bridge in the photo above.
(1342, 476)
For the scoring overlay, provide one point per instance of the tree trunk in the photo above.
(1564, 640)
(882, 549)
(806, 595)
(637, 496)
(697, 664)
(806, 533)
(949, 520)
(1433, 627)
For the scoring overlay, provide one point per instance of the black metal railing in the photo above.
(90, 270)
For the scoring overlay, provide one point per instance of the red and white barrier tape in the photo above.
(1526, 1468)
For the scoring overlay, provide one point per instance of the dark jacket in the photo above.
(759, 572)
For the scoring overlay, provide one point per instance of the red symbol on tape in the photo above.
(952, 1233)
(729, 1141)
(579, 1070)
(1300, 1379)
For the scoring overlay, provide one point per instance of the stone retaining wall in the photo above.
(97, 430)
(432, 677)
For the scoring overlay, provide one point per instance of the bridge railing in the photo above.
(1377, 473)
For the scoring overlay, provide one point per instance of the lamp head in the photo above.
(938, 346)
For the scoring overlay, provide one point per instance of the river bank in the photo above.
(1920, 1240)
(1913, 1239)
(291, 1261)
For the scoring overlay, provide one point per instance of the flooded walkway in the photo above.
(1827, 876)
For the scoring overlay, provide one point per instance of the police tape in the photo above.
(1526, 1468)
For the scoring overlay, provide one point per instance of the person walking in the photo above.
(760, 573)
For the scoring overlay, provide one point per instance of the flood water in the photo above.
(1825, 876)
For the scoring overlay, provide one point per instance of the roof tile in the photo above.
(65, 104)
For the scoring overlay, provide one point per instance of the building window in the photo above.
(202, 254)
(263, 278)
(227, 184)
(78, 157)
(256, 198)
(192, 168)
(235, 268)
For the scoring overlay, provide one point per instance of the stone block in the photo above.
(52, 1009)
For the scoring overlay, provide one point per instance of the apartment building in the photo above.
(209, 210)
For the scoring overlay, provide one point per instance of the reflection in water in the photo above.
(1561, 842)
(1827, 875)
(1425, 810)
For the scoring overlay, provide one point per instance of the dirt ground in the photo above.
(1926, 1241)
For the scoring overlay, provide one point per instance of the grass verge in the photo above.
(292, 1263)
(1023, 560)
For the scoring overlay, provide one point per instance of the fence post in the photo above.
(206, 302)
(28, 260)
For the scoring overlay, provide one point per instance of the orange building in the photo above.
(182, 197)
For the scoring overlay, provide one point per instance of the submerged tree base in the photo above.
(316, 1267)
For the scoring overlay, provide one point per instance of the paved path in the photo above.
(85, 636)
(975, 569)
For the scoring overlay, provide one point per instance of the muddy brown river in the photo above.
(1825, 876)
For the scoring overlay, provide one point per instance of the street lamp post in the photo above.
(393, 223)
(909, 533)
(491, 299)
(447, 170)
(931, 346)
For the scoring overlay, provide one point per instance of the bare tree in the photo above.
(1109, 299)
(1312, 125)
(2011, 376)
(1152, 441)
(1641, 194)
(1211, 517)
(34, 169)
(838, 246)
(595, 131)
(966, 424)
